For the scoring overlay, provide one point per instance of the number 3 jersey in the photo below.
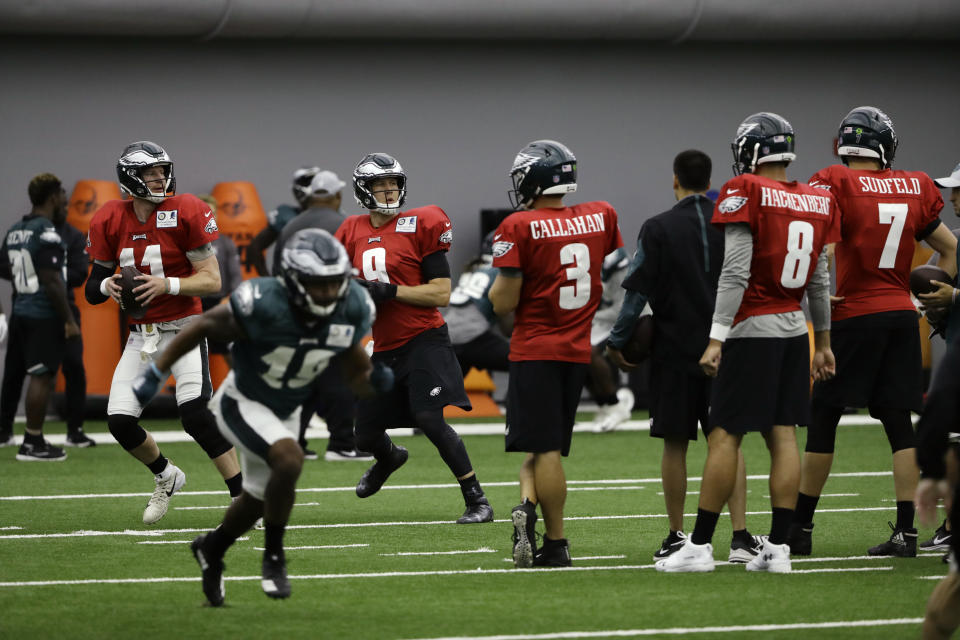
(281, 356)
(790, 223)
(560, 253)
(156, 247)
(882, 213)
(394, 253)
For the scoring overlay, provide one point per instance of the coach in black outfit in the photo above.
(676, 268)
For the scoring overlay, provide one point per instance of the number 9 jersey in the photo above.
(156, 247)
(560, 252)
(790, 222)
(883, 212)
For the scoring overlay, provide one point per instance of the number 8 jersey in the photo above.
(882, 213)
(790, 222)
(156, 247)
(560, 252)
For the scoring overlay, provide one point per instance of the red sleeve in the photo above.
(505, 240)
(732, 205)
(343, 231)
(435, 232)
(834, 233)
(99, 243)
(199, 225)
(821, 180)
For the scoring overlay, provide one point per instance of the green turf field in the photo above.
(82, 565)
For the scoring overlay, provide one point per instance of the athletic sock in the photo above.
(780, 525)
(235, 485)
(705, 526)
(158, 465)
(905, 512)
(606, 400)
(217, 542)
(742, 534)
(806, 506)
(273, 538)
(33, 439)
(471, 490)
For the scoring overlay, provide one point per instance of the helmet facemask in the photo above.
(313, 256)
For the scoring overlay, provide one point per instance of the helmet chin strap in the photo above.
(753, 162)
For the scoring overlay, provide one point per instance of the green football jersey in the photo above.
(281, 216)
(281, 357)
(33, 243)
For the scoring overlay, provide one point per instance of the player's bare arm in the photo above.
(505, 292)
(710, 360)
(204, 281)
(217, 324)
(52, 283)
(356, 367)
(944, 242)
(435, 293)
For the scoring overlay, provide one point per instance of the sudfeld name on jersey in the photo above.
(580, 225)
(869, 184)
(806, 202)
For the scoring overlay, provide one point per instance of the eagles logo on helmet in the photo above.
(373, 167)
(762, 137)
(134, 159)
(312, 256)
(542, 168)
(867, 132)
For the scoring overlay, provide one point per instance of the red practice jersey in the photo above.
(882, 213)
(791, 222)
(156, 247)
(560, 252)
(393, 253)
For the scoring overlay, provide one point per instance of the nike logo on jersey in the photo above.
(729, 191)
(447, 223)
(497, 237)
(207, 214)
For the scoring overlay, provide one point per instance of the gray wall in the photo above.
(454, 113)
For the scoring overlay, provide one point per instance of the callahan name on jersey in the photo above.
(557, 227)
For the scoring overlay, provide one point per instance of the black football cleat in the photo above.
(374, 477)
(524, 517)
(553, 553)
(274, 576)
(902, 544)
(211, 572)
(478, 512)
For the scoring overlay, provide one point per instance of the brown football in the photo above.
(638, 346)
(128, 301)
(921, 276)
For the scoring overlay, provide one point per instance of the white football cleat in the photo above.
(690, 558)
(616, 414)
(168, 483)
(774, 558)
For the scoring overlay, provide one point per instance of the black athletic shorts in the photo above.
(762, 382)
(679, 401)
(489, 350)
(542, 399)
(427, 378)
(42, 342)
(879, 363)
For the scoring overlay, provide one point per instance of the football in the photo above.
(638, 346)
(128, 301)
(921, 276)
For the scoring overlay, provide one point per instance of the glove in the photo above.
(379, 291)
(3, 328)
(381, 378)
(146, 385)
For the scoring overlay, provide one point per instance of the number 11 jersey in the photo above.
(882, 213)
(560, 252)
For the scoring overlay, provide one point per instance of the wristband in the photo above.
(719, 332)
(954, 298)
(103, 286)
(173, 286)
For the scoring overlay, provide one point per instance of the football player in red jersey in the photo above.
(875, 333)
(774, 237)
(401, 259)
(168, 237)
(550, 257)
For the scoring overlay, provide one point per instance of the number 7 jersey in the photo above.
(560, 252)
(882, 213)
(790, 222)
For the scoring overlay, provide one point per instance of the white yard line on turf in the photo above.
(360, 525)
(464, 428)
(179, 541)
(680, 631)
(385, 574)
(407, 487)
(313, 547)
(441, 553)
(224, 506)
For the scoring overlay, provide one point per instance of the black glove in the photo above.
(379, 291)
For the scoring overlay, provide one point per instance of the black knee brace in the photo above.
(897, 424)
(822, 431)
(200, 424)
(126, 430)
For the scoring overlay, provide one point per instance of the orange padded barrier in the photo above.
(87, 197)
(479, 386)
(240, 215)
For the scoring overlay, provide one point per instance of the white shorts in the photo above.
(189, 373)
(252, 428)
